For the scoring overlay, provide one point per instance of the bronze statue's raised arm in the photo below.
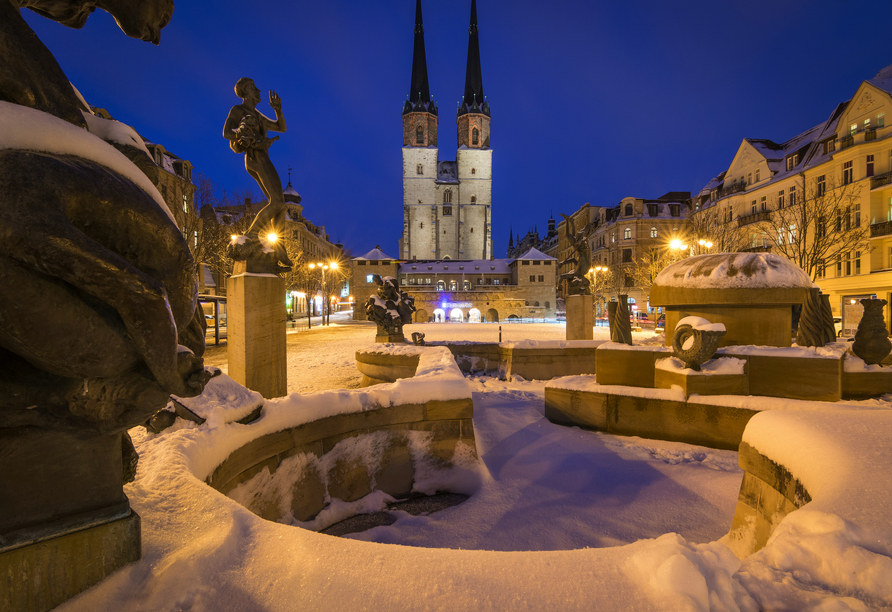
(279, 124)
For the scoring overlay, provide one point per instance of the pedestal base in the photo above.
(38, 577)
(393, 338)
(256, 331)
(580, 319)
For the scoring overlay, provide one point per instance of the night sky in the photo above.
(591, 101)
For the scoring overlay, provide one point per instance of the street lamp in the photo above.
(332, 265)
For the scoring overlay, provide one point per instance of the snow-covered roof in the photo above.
(883, 79)
(375, 254)
(713, 184)
(535, 253)
(733, 271)
(289, 190)
(458, 266)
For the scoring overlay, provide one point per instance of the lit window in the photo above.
(867, 123)
(881, 120)
(627, 233)
(653, 232)
(370, 278)
(852, 129)
(185, 204)
(847, 173)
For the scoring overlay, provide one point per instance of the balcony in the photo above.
(870, 134)
(845, 142)
(764, 215)
(880, 180)
(880, 229)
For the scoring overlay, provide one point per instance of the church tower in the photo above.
(420, 154)
(474, 155)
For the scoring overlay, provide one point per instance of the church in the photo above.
(446, 204)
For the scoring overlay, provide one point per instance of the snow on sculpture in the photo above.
(390, 309)
(696, 340)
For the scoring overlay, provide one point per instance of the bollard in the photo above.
(500, 333)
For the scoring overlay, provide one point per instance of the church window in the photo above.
(629, 210)
(419, 135)
(472, 230)
(419, 169)
(422, 225)
(473, 199)
(447, 212)
(475, 136)
(473, 170)
(447, 196)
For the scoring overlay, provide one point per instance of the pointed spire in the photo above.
(419, 90)
(474, 101)
(511, 237)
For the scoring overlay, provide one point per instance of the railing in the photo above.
(763, 215)
(845, 142)
(870, 134)
(880, 229)
(880, 180)
(759, 248)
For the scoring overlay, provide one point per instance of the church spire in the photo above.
(511, 237)
(419, 89)
(473, 101)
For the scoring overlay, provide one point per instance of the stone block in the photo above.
(701, 384)
(795, 378)
(356, 421)
(386, 367)
(269, 464)
(630, 368)
(396, 473)
(576, 408)
(861, 385)
(774, 474)
(580, 317)
(760, 508)
(308, 494)
(545, 364)
(254, 452)
(446, 435)
(38, 577)
(746, 322)
(436, 410)
(348, 480)
(256, 332)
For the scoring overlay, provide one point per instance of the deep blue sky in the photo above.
(592, 101)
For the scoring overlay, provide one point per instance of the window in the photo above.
(536, 303)
(763, 204)
(495, 281)
(867, 124)
(441, 285)
(856, 215)
(370, 278)
(537, 263)
(548, 304)
(780, 199)
(821, 185)
(627, 233)
(613, 237)
(447, 212)
(541, 278)
(629, 210)
(674, 209)
(852, 129)
(473, 199)
(821, 269)
(869, 168)
(757, 174)
(524, 263)
(627, 255)
(881, 120)
(419, 169)
(781, 235)
(792, 233)
(466, 285)
(532, 278)
(792, 195)
(749, 178)
(857, 262)
(753, 207)
(475, 136)
(447, 196)
(653, 232)
(452, 285)
(419, 135)
(847, 173)
(403, 281)
(473, 170)
(821, 227)
(830, 146)
(479, 281)
(186, 202)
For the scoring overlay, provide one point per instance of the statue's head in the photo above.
(245, 89)
(141, 19)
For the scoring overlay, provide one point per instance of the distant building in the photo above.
(446, 204)
(474, 290)
(547, 244)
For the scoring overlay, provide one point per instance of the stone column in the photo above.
(579, 317)
(256, 331)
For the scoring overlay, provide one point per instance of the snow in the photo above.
(733, 271)
(723, 366)
(26, 129)
(853, 363)
(833, 350)
(588, 382)
(534, 253)
(701, 324)
(615, 523)
(621, 346)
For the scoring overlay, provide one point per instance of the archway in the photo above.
(474, 316)
(421, 316)
(492, 315)
(456, 315)
(512, 317)
(439, 315)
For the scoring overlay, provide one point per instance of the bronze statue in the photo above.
(98, 322)
(577, 281)
(391, 308)
(246, 129)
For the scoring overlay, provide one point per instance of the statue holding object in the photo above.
(577, 280)
(390, 309)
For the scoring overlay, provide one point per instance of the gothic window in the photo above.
(419, 135)
(419, 169)
(447, 196)
(475, 136)
(473, 170)
(472, 230)
(473, 199)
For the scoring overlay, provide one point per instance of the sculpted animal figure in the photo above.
(99, 287)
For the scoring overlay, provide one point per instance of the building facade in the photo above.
(446, 204)
(478, 290)
(837, 177)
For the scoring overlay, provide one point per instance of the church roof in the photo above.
(375, 254)
(473, 101)
(535, 254)
(468, 267)
(419, 89)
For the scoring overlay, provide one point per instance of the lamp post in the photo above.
(333, 265)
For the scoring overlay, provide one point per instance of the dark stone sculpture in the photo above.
(98, 318)
(390, 309)
(577, 280)
(827, 317)
(872, 339)
(811, 330)
(695, 346)
(618, 319)
(246, 129)
(418, 338)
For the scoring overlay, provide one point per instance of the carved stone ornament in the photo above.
(618, 319)
(872, 339)
(694, 342)
(811, 323)
(866, 101)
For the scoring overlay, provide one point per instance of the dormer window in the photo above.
(757, 175)
(629, 210)
(674, 210)
(419, 135)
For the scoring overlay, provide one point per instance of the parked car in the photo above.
(837, 324)
(661, 322)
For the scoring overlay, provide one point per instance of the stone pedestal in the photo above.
(580, 319)
(256, 331)
(65, 523)
(391, 338)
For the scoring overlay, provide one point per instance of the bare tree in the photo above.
(717, 226)
(651, 261)
(821, 226)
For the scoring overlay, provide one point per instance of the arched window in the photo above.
(629, 210)
(535, 303)
(475, 136)
(419, 169)
(653, 232)
(473, 199)
(548, 304)
(419, 135)
(447, 196)
(473, 170)
(627, 233)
